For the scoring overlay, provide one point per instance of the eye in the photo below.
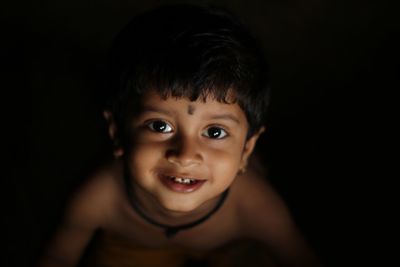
(215, 133)
(159, 126)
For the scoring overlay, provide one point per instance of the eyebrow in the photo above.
(155, 109)
(225, 117)
(213, 117)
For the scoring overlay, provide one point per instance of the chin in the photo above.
(179, 206)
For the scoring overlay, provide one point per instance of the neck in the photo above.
(148, 205)
(148, 208)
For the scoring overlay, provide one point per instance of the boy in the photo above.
(188, 98)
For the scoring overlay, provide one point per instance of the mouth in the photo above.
(181, 184)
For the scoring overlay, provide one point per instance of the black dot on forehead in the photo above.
(190, 110)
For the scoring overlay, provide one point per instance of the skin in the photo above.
(185, 149)
(201, 140)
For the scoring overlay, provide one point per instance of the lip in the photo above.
(178, 187)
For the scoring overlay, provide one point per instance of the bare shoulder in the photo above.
(264, 216)
(91, 202)
(259, 205)
(84, 214)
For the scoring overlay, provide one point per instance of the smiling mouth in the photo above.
(182, 180)
(181, 184)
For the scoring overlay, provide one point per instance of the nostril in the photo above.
(184, 150)
(183, 158)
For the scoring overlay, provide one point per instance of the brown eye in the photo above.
(215, 133)
(160, 126)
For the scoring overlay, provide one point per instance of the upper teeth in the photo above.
(182, 180)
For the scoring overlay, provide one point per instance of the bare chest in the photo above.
(128, 227)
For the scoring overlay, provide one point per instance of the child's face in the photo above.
(174, 140)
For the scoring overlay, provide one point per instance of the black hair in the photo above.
(192, 52)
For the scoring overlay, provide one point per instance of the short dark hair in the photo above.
(188, 51)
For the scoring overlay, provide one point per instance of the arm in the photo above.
(288, 246)
(266, 218)
(67, 246)
(81, 219)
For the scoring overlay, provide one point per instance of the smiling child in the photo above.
(188, 96)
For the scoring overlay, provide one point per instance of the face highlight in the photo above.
(181, 158)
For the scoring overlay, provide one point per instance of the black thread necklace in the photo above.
(169, 230)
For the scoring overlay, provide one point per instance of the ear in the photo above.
(249, 147)
(112, 132)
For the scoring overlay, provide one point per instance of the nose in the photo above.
(184, 152)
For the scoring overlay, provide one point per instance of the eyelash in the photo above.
(219, 128)
(150, 125)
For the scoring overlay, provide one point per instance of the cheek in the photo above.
(143, 158)
(225, 163)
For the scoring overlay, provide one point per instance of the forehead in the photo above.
(151, 100)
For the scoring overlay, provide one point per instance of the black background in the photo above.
(333, 67)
